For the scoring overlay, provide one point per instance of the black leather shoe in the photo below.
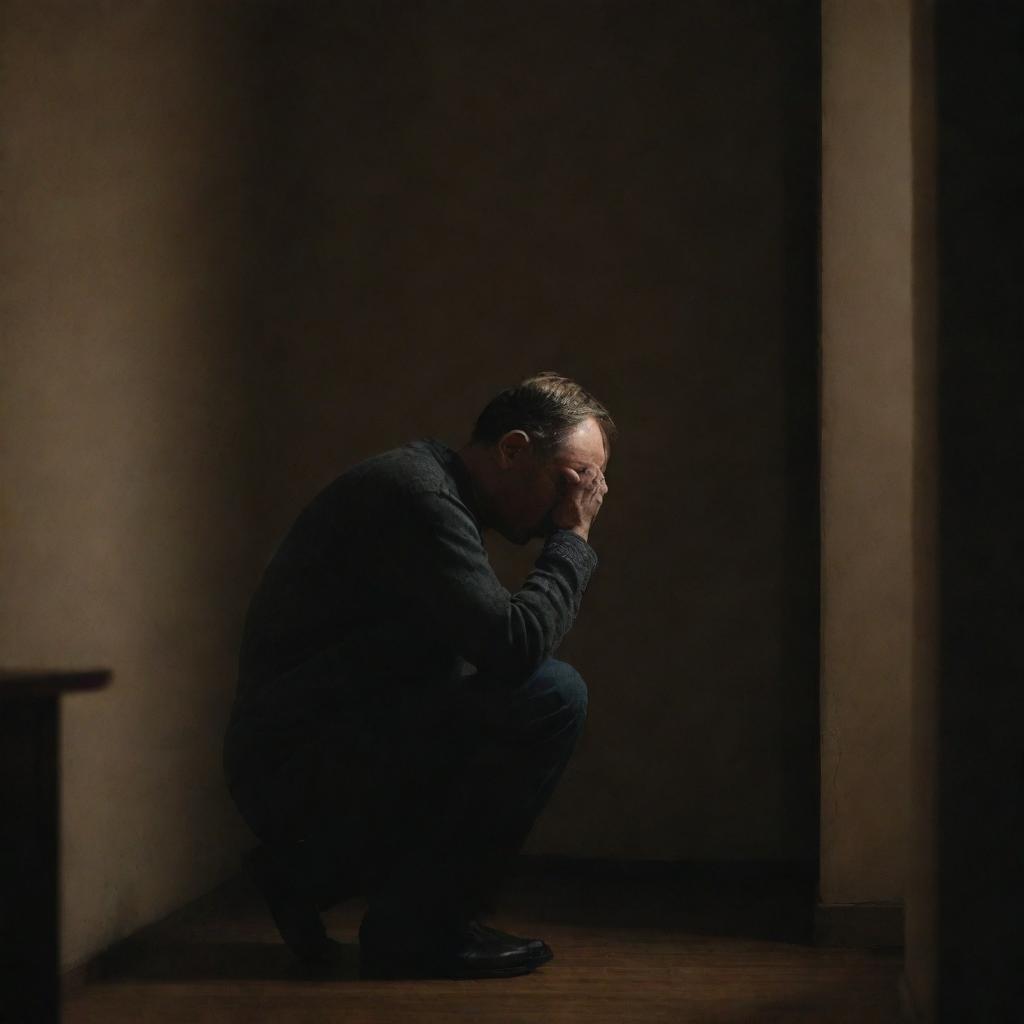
(293, 909)
(469, 951)
(536, 946)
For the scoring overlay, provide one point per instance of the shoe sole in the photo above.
(370, 967)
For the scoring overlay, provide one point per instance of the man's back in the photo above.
(322, 582)
(320, 596)
(382, 580)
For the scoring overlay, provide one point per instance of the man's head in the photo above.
(520, 445)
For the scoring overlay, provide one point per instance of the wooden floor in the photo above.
(658, 949)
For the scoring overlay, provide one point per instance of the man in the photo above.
(399, 721)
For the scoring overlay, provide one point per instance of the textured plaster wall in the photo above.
(866, 474)
(123, 434)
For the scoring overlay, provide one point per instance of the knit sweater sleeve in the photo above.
(429, 554)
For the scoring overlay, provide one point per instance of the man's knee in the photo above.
(568, 686)
(550, 704)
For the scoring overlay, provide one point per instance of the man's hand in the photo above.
(582, 494)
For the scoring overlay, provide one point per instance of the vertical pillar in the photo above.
(866, 468)
(918, 983)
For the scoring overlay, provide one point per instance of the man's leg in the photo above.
(511, 745)
(343, 802)
(420, 799)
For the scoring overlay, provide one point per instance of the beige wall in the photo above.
(921, 888)
(122, 434)
(867, 417)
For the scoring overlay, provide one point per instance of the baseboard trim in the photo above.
(611, 868)
(859, 925)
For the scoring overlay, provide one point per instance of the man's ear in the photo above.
(513, 444)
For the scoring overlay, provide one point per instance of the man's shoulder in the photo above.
(421, 466)
(417, 469)
(420, 481)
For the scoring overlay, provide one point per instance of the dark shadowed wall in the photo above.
(965, 934)
(450, 196)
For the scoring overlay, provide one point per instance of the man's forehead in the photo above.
(585, 454)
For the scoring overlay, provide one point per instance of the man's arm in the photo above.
(426, 549)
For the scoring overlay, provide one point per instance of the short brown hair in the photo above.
(546, 406)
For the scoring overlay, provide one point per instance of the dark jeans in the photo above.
(419, 797)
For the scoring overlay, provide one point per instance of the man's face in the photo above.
(536, 486)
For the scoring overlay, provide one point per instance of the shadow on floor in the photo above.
(170, 960)
(207, 940)
(668, 946)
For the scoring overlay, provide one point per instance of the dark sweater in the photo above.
(383, 579)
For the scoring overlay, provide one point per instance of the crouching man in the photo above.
(400, 721)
